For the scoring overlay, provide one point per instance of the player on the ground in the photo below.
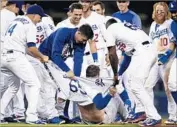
(162, 38)
(138, 46)
(16, 65)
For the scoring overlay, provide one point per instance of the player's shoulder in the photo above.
(47, 19)
(133, 13)
(116, 14)
(63, 23)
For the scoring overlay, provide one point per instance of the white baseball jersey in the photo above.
(67, 23)
(20, 32)
(83, 90)
(6, 18)
(44, 29)
(161, 35)
(125, 36)
(97, 22)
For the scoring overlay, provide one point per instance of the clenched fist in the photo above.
(112, 91)
(70, 74)
(44, 58)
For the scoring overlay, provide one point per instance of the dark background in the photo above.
(142, 8)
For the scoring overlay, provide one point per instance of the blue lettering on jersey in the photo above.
(94, 27)
(99, 82)
(22, 20)
(159, 33)
(39, 29)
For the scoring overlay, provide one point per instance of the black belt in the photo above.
(87, 53)
(146, 43)
(143, 43)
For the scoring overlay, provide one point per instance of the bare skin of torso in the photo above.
(90, 113)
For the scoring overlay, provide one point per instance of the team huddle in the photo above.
(90, 68)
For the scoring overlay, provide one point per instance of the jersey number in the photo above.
(75, 87)
(163, 41)
(39, 39)
(11, 29)
(96, 38)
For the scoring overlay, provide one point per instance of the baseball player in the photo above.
(98, 7)
(127, 15)
(75, 20)
(93, 95)
(163, 38)
(8, 14)
(96, 21)
(138, 46)
(172, 82)
(13, 58)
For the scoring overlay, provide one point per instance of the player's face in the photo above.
(37, 18)
(86, 5)
(76, 15)
(123, 5)
(160, 13)
(80, 38)
(97, 8)
(15, 9)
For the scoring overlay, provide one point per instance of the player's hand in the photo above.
(112, 91)
(70, 74)
(44, 59)
(107, 60)
(116, 81)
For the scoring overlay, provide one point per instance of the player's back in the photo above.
(6, 18)
(128, 34)
(18, 34)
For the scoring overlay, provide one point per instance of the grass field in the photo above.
(79, 125)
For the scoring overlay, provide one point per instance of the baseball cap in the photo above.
(36, 9)
(173, 6)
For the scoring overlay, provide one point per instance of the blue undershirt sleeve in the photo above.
(137, 21)
(100, 101)
(78, 59)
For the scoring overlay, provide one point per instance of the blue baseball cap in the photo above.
(172, 6)
(36, 9)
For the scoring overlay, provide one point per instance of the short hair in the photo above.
(99, 3)
(168, 15)
(110, 22)
(75, 6)
(92, 71)
(86, 30)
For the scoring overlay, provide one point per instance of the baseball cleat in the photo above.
(170, 122)
(140, 116)
(36, 122)
(56, 120)
(150, 122)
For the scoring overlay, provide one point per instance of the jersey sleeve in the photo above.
(137, 21)
(110, 38)
(48, 25)
(31, 33)
(173, 29)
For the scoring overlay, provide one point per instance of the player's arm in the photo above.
(78, 58)
(57, 48)
(163, 58)
(101, 102)
(137, 21)
(32, 49)
(93, 50)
